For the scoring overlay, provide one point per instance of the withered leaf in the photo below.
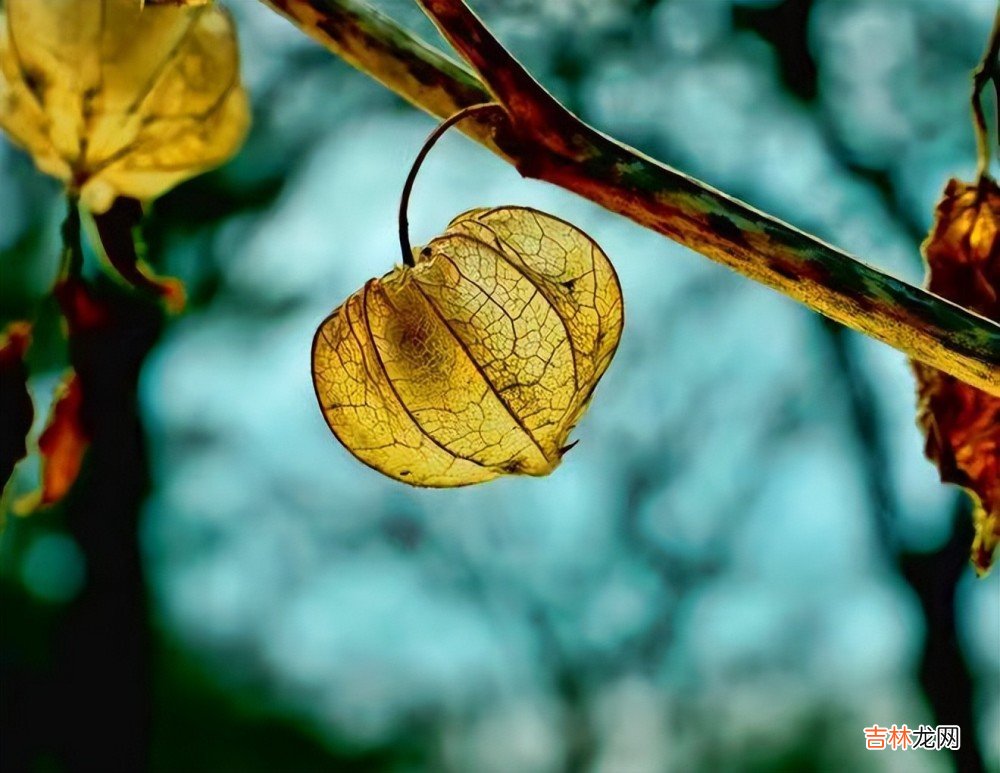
(961, 423)
(479, 360)
(117, 99)
(117, 230)
(61, 445)
(16, 408)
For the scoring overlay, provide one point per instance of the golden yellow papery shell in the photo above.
(479, 360)
(118, 99)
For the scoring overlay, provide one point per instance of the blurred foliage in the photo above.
(117, 100)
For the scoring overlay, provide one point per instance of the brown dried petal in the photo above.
(961, 423)
(16, 409)
(62, 446)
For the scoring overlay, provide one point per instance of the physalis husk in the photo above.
(117, 99)
(477, 361)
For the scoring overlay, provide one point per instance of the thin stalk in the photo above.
(988, 70)
(71, 260)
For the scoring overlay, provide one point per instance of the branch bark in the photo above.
(545, 141)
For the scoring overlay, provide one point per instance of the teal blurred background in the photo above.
(744, 562)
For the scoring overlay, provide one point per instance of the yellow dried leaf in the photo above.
(116, 99)
(962, 423)
(479, 360)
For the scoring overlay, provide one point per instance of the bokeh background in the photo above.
(745, 560)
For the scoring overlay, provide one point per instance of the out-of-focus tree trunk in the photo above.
(934, 577)
(102, 649)
(944, 673)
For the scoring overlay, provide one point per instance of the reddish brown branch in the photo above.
(545, 141)
(535, 112)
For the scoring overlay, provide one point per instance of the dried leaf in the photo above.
(479, 360)
(117, 99)
(62, 445)
(16, 409)
(120, 238)
(961, 423)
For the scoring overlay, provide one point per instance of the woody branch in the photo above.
(543, 140)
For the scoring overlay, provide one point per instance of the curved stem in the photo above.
(432, 138)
